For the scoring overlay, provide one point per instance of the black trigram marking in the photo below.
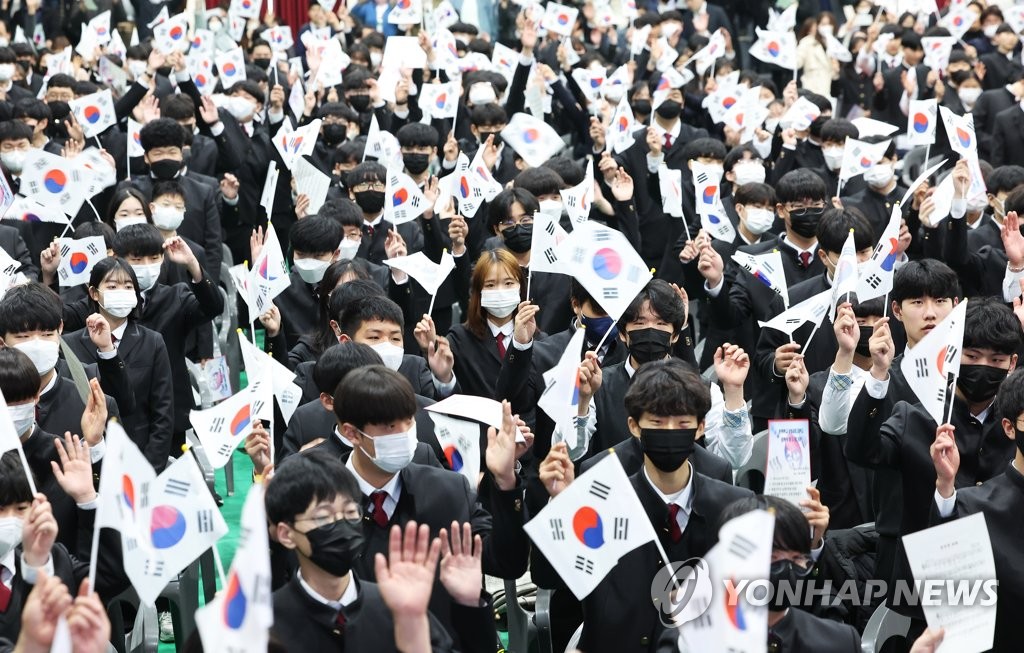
(92, 249)
(702, 178)
(602, 236)
(600, 490)
(177, 487)
(204, 521)
(610, 293)
(952, 353)
(217, 425)
(874, 281)
(144, 501)
(620, 528)
(549, 254)
(570, 201)
(225, 450)
(257, 407)
(131, 543)
(153, 567)
(578, 254)
(550, 228)
(741, 546)
(65, 250)
(585, 565)
(921, 367)
(557, 533)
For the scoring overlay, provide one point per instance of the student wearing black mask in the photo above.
(666, 405)
(366, 184)
(485, 123)
(338, 120)
(364, 100)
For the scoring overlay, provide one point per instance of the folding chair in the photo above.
(183, 595)
(751, 475)
(519, 620)
(883, 626)
(542, 620)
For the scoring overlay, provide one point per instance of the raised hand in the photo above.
(525, 322)
(94, 417)
(590, 378)
(556, 470)
(88, 621)
(882, 349)
(406, 577)
(732, 365)
(846, 329)
(946, 458)
(74, 473)
(817, 514)
(99, 332)
(47, 601)
(797, 380)
(501, 449)
(461, 564)
(257, 446)
(39, 532)
(784, 355)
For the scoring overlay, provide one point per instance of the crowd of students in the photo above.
(376, 543)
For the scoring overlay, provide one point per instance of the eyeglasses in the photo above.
(801, 209)
(352, 513)
(512, 221)
(370, 185)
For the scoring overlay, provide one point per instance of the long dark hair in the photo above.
(119, 198)
(104, 269)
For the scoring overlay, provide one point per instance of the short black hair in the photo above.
(539, 181)
(792, 530)
(162, 187)
(1004, 179)
(138, 240)
(416, 134)
(106, 267)
(15, 130)
(711, 148)
(177, 106)
(30, 307)
(19, 380)
(487, 115)
(667, 387)
(1015, 201)
(924, 278)
(991, 324)
(308, 477)
(337, 110)
(32, 108)
(367, 172)
(664, 302)
(348, 293)
(315, 235)
(754, 193)
(249, 87)
(838, 130)
(1010, 399)
(340, 359)
(375, 307)
(802, 184)
(570, 172)
(834, 228)
(373, 394)
(118, 199)
(735, 155)
(343, 211)
(14, 486)
(162, 132)
(501, 205)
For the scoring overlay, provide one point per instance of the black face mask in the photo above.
(805, 222)
(1018, 438)
(359, 102)
(642, 107)
(669, 109)
(335, 547)
(334, 134)
(668, 449)
(519, 238)
(262, 63)
(496, 135)
(165, 168)
(416, 163)
(370, 202)
(650, 344)
(782, 575)
(862, 348)
(980, 382)
(164, 71)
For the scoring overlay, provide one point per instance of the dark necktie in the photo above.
(380, 516)
(114, 340)
(500, 338)
(674, 531)
(805, 259)
(668, 140)
(340, 620)
(370, 230)
(5, 593)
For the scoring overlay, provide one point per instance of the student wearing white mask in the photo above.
(166, 213)
(127, 207)
(882, 190)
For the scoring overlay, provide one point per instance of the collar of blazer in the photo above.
(129, 339)
(321, 613)
(656, 508)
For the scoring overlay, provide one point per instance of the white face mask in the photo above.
(43, 353)
(147, 275)
(748, 173)
(481, 93)
(167, 218)
(15, 161)
(395, 451)
(121, 223)
(500, 303)
(6, 72)
(968, 96)
(759, 220)
(136, 68)
(392, 355)
(833, 157)
(240, 108)
(347, 248)
(551, 208)
(977, 204)
(376, 58)
(119, 303)
(826, 30)
(990, 30)
(23, 416)
(879, 175)
(11, 530)
(311, 270)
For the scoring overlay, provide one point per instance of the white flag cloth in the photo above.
(960, 131)
(937, 50)
(777, 48)
(547, 236)
(428, 274)
(670, 182)
(876, 279)
(578, 199)
(403, 199)
(921, 121)
(245, 8)
(726, 621)
(932, 366)
(279, 37)
(270, 380)
(620, 133)
(766, 268)
(29, 210)
(270, 188)
(710, 53)
(559, 19)
(706, 185)
(268, 276)
(958, 21)
(800, 115)
(440, 100)
(483, 177)
(54, 182)
(134, 141)
(311, 182)
(561, 396)
(782, 21)
(811, 309)
(244, 610)
(460, 442)
(589, 82)
(172, 34)
(103, 175)
(297, 143)
(604, 262)
(126, 477)
(859, 157)
(222, 428)
(100, 25)
(200, 67)
(534, 140)
(230, 67)
(585, 530)
(77, 258)
(844, 279)
(94, 112)
(406, 12)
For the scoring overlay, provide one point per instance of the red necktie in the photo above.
(805, 259)
(5, 594)
(340, 620)
(369, 231)
(380, 516)
(668, 140)
(113, 340)
(674, 531)
(501, 345)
